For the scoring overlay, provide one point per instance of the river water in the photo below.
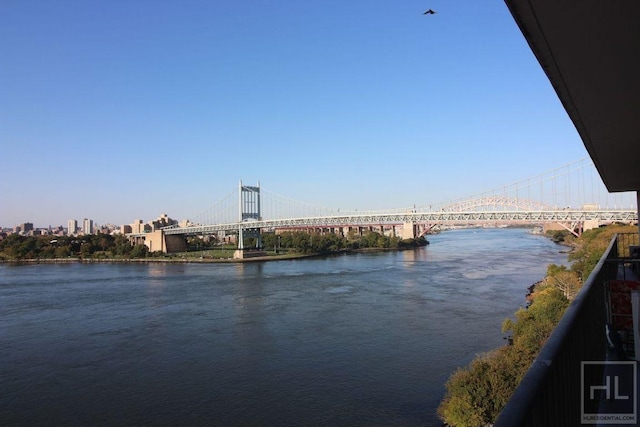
(361, 339)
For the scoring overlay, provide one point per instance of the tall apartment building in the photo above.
(72, 227)
(87, 226)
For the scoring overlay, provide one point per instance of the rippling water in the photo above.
(365, 339)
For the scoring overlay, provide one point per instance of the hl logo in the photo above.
(609, 392)
(607, 389)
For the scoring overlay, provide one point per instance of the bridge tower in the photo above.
(249, 209)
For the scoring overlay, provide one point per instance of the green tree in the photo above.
(534, 324)
(476, 394)
(121, 246)
(28, 248)
(105, 242)
(301, 242)
(86, 249)
(568, 281)
(139, 251)
(589, 248)
(62, 252)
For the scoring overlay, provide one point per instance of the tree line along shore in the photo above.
(117, 248)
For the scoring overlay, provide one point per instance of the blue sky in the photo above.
(117, 110)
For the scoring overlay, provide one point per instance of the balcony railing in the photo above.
(550, 392)
(625, 242)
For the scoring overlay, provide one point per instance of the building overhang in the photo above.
(590, 51)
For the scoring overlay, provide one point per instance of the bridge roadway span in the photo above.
(441, 217)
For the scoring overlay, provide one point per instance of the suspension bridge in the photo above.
(572, 196)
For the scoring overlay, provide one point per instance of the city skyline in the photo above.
(72, 227)
(125, 111)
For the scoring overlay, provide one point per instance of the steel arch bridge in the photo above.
(497, 203)
(476, 211)
(411, 222)
(441, 217)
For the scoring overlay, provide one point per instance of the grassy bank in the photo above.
(477, 393)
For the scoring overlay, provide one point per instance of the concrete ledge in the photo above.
(244, 254)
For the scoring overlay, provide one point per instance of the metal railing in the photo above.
(624, 242)
(550, 392)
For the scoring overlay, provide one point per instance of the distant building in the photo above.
(162, 221)
(72, 227)
(137, 227)
(23, 228)
(103, 229)
(87, 226)
(110, 229)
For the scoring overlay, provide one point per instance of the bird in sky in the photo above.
(429, 12)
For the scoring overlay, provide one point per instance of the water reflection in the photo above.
(249, 269)
(416, 257)
(157, 273)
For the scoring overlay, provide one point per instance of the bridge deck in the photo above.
(445, 218)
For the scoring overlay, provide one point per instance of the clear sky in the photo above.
(125, 109)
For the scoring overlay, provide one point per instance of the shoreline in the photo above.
(154, 260)
(201, 260)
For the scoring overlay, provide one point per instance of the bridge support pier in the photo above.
(159, 241)
(590, 224)
(409, 230)
(576, 228)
